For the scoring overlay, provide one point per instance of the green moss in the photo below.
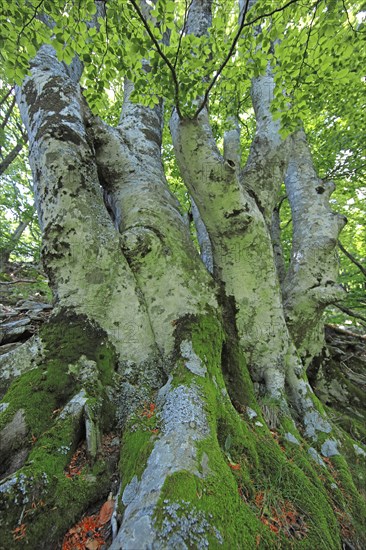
(27, 393)
(68, 336)
(137, 443)
(351, 404)
(356, 462)
(263, 467)
(223, 498)
(234, 521)
(349, 499)
(235, 514)
(135, 450)
(47, 388)
(51, 502)
(336, 484)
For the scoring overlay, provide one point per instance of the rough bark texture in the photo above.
(187, 390)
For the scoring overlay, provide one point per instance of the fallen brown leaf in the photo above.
(106, 512)
(92, 545)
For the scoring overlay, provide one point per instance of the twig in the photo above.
(18, 281)
(10, 157)
(8, 113)
(340, 330)
(162, 55)
(34, 15)
(307, 43)
(3, 99)
(349, 21)
(106, 36)
(281, 201)
(226, 60)
(286, 224)
(187, 8)
(233, 45)
(352, 258)
(350, 312)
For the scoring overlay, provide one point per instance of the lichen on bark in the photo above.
(200, 373)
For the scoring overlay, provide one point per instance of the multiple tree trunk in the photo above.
(149, 341)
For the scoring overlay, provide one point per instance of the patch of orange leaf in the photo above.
(106, 512)
(282, 517)
(77, 462)
(149, 410)
(20, 532)
(234, 466)
(89, 534)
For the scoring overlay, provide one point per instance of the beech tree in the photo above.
(183, 331)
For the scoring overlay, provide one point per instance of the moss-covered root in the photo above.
(196, 474)
(330, 460)
(40, 501)
(75, 355)
(18, 361)
(44, 415)
(190, 481)
(329, 444)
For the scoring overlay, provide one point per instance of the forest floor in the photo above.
(339, 380)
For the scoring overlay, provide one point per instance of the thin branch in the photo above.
(8, 113)
(286, 224)
(18, 281)
(280, 202)
(336, 328)
(307, 44)
(352, 258)
(349, 21)
(33, 17)
(11, 157)
(351, 313)
(106, 36)
(22, 130)
(336, 172)
(187, 8)
(234, 43)
(3, 99)
(226, 60)
(162, 55)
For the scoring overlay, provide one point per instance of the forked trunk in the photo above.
(186, 384)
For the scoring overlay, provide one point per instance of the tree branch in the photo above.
(11, 157)
(233, 45)
(18, 281)
(225, 62)
(182, 32)
(349, 21)
(351, 313)
(8, 113)
(34, 15)
(336, 328)
(162, 55)
(307, 43)
(352, 258)
(280, 202)
(3, 99)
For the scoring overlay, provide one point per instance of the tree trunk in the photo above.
(198, 379)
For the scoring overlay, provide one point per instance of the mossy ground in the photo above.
(44, 499)
(252, 473)
(247, 460)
